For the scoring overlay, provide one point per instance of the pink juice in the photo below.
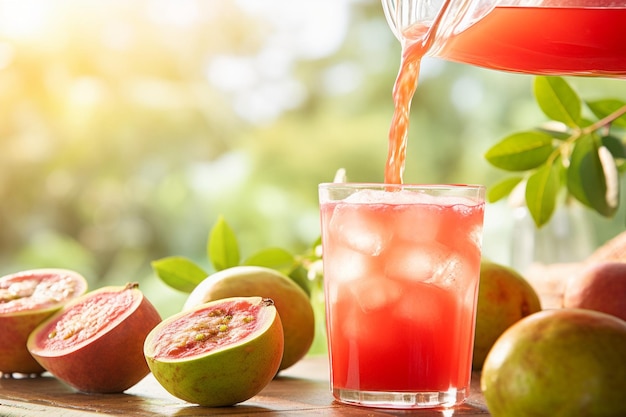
(401, 273)
(545, 40)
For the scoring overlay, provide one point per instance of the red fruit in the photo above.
(26, 299)
(601, 287)
(95, 344)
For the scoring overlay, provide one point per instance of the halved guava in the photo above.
(293, 304)
(26, 299)
(95, 344)
(219, 353)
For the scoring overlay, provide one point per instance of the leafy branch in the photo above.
(582, 153)
(222, 250)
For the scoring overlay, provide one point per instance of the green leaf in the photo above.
(275, 258)
(563, 134)
(615, 146)
(222, 247)
(503, 188)
(521, 151)
(582, 164)
(558, 100)
(179, 272)
(541, 192)
(317, 242)
(300, 276)
(604, 108)
(282, 261)
(586, 179)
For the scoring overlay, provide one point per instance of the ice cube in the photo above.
(361, 228)
(375, 293)
(447, 273)
(414, 261)
(362, 311)
(417, 223)
(458, 273)
(476, 237)
(344, 264)
(424, 306)
(370, 330)
(368, 197)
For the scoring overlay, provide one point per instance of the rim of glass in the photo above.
(384, 186)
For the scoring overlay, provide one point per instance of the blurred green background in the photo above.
(128, 127)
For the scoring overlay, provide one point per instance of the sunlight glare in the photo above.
(181, 13)
(7, 52)
(263, 86)
(311, 29)
(24, 19)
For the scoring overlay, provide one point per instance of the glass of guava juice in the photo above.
(401, 271)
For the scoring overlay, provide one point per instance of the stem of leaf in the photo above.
(605, 121)
(587, 130)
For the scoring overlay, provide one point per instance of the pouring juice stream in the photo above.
(583, 38)
(403, 91)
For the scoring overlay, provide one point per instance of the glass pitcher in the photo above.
(543, 37)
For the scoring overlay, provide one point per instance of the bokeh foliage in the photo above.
(119, 145)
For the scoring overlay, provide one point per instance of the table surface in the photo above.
(300, 390)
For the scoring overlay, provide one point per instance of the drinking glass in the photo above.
(401, 269)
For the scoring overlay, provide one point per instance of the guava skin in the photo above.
(15, 327)
(600, 286)
(504, 297)
(109, 362)
(292, 303)
(227, 376)
(558, 363)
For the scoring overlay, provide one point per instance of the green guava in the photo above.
(293, 304)
(562, 362)
(95, 343)
(219, 353)
(26, 299)
(504, 297)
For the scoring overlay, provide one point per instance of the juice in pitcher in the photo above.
(545, 40)
(547, 37)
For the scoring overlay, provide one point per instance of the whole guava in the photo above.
(504, 297)
(219, 353)
(293, 304)
(26, 299)
(562, 362)
(600, 286)
(95, 343)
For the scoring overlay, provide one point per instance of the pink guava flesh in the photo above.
(95, 344)
(194, 358)
(34, 290)
(27, 298)
(86, 320)
(205, 330)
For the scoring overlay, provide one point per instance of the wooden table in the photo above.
(301, 390)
